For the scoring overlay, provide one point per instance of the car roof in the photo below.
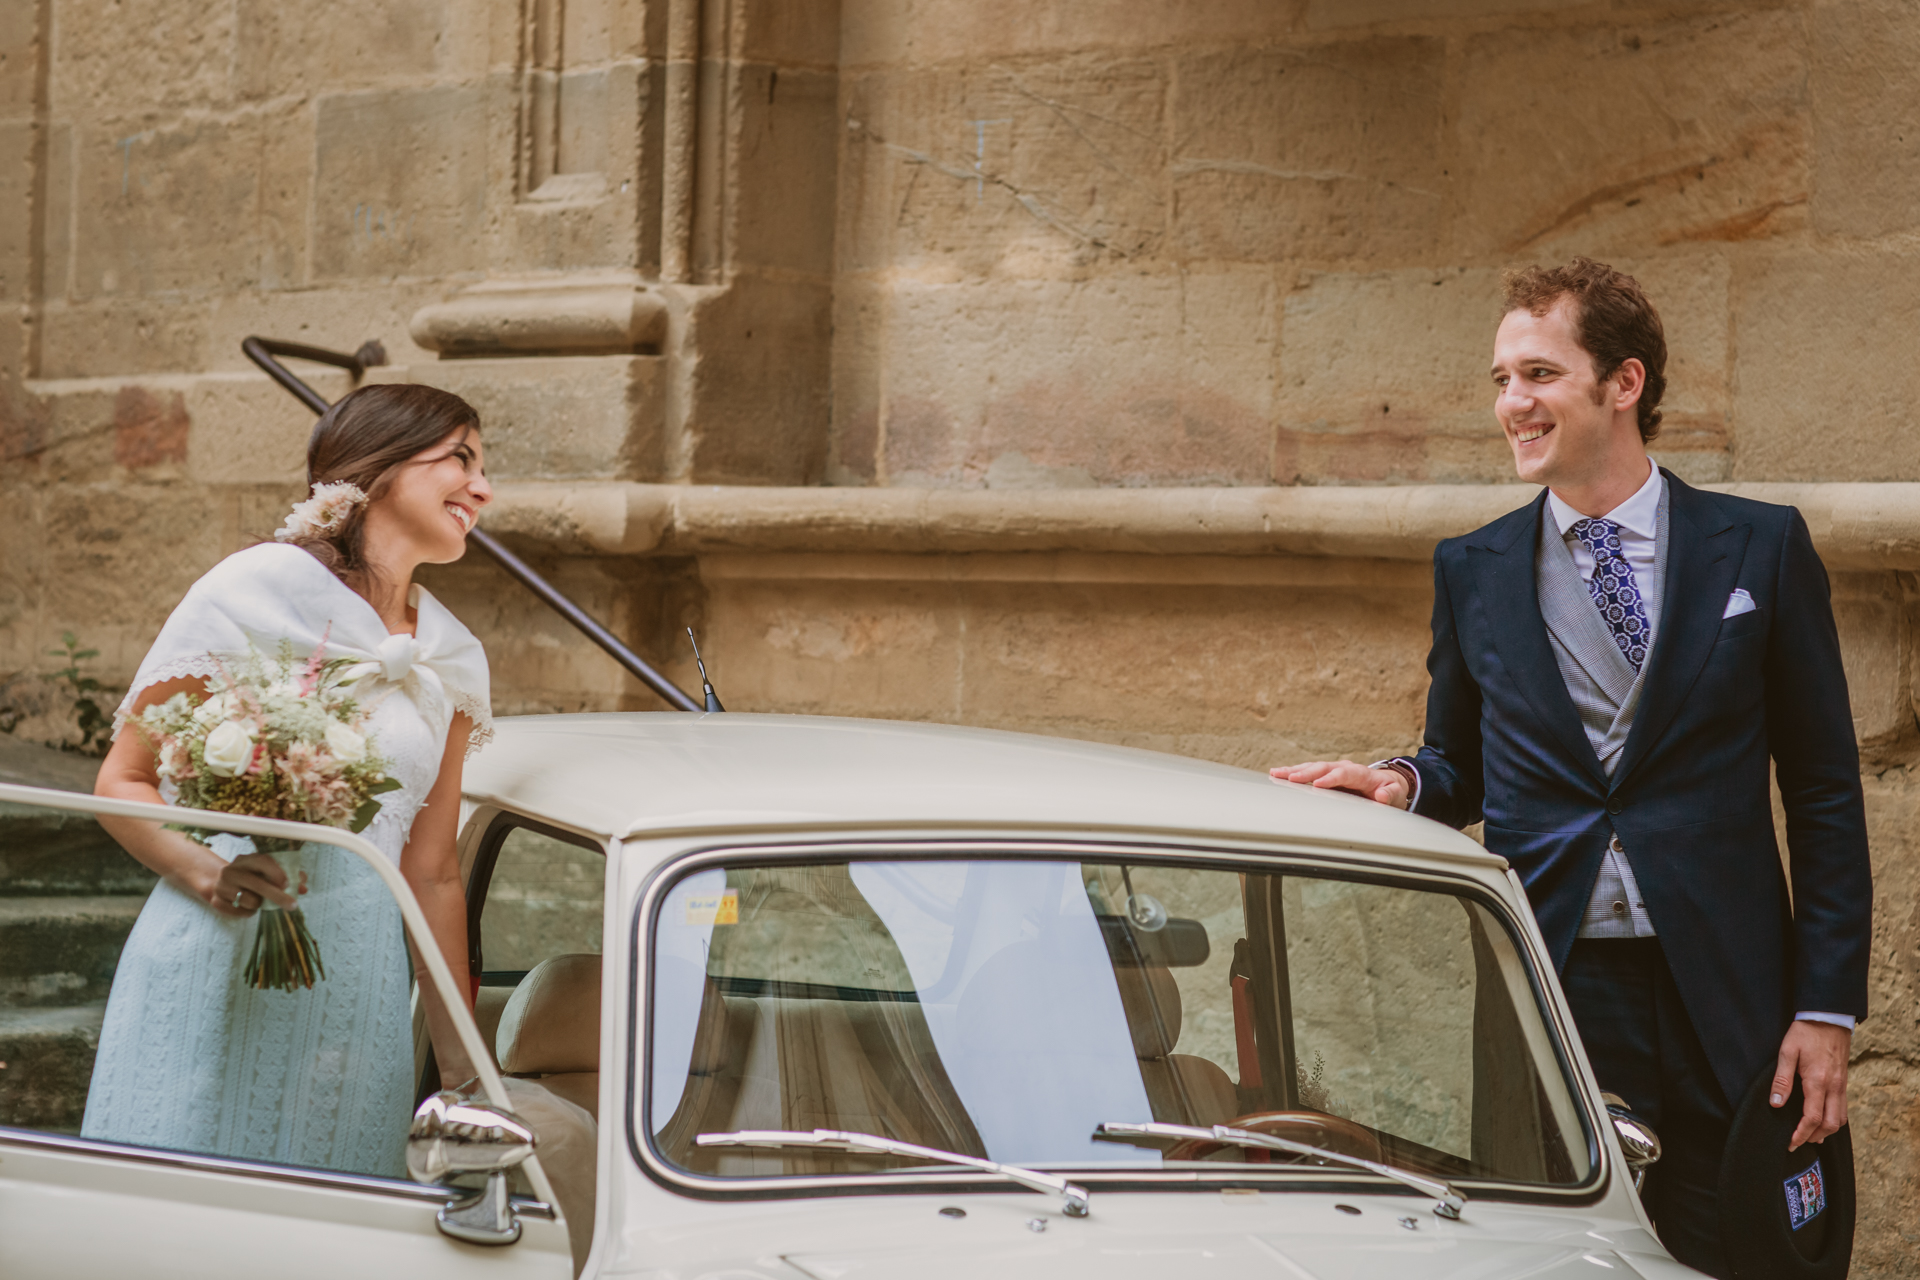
(617, 775)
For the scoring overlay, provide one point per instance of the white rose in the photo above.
(211, 711)
(346, 745)
(229, 750)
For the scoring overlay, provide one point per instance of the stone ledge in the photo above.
(1855, 526)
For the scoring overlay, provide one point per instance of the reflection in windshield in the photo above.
(1005, 1008)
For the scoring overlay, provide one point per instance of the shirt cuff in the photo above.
(1414, 799)
(1831, 1019)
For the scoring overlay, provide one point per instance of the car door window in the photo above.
(543, 899)
(149, 1043)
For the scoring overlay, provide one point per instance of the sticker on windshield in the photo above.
(714, 908)
(1806, 1196)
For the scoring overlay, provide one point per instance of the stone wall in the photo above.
(749, 248)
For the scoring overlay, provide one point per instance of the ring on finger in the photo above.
(238, 894)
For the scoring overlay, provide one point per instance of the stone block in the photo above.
(344, 45)
(1380, 371)
(247, 430)
(790, 33)
(1333, 15)
(1035, 170)
(1864, 101)
(402, 182)
(560, 418)
(859, 366)
(541, 664)
(1608, 139)
(1384, 374)
(138, 54)
(338, 318)
(886, 32)
(202, 205)
(1326, 152)
(111, 337)
(1117, 380)
(789, 143)
(760, 393)
(1875, 645)
(1883, 1107)
(19, 56)
(1824, 380)
(16, 200)
(1891, 1031)
(140, 546)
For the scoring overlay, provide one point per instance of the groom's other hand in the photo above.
(1382, 785)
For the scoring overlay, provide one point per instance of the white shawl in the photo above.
(256, 598)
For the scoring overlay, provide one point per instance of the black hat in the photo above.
(1784, 1215)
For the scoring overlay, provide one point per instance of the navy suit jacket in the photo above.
(1689, 800)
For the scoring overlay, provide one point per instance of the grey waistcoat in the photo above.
(1605, 691)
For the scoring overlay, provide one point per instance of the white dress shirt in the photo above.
(1638, 519)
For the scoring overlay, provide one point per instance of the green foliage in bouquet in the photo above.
(278, 737)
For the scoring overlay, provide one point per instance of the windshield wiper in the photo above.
(1450, 1200)
(1073, 1198)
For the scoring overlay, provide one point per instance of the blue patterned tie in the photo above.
(1613, 588)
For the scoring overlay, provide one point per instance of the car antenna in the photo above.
(706, 685)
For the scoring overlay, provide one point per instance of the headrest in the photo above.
(552, 1021)
(1152, 1002)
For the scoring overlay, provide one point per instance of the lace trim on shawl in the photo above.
(478, 710)
(203, 667)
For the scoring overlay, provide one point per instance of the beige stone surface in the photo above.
(557, 418)
(1823, 384)
(1864, 103)
(1607, 138)
(1345, 137)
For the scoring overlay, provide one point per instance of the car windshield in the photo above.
(1006, 1008)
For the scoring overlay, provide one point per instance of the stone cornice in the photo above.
(1855, 526)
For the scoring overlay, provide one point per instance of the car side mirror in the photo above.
(1638, 1141)
(452, 1135)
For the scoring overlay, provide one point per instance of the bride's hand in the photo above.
(246, 883)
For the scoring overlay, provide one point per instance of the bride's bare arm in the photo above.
(431, 865)
(130, 772)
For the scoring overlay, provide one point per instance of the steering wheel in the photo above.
(1314, 1128)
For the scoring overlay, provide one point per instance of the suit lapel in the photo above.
(1510, 599)
(1703, 559)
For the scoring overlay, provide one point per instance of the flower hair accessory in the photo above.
(321, 514)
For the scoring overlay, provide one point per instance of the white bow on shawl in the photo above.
(258, 597)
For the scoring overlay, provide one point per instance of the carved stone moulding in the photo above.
(578, 315)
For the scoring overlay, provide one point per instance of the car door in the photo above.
(118, 1157)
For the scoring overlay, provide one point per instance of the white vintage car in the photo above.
(789, 998)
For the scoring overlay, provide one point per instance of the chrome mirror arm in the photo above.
(452, 1134)
(1073, 1198)
(1638, 1142)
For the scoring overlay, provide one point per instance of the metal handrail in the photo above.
(265, 352)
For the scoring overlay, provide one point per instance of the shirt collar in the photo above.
(1639, 514)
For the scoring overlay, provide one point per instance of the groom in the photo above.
(1615, 665)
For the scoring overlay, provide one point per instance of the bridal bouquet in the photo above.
(273, 738)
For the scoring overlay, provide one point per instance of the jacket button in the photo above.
(1619, 907)
(1614, 805)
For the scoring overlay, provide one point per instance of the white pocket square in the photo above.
(1738, 603)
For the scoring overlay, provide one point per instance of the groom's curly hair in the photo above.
(361, 440)
(1615, 319)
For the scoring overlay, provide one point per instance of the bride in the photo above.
(190, 1058)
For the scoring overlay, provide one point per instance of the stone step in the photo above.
(46, 1062)
(46, 852)
(62, 951)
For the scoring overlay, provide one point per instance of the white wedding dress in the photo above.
(190, 1059)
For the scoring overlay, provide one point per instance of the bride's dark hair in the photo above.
(360, 441)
